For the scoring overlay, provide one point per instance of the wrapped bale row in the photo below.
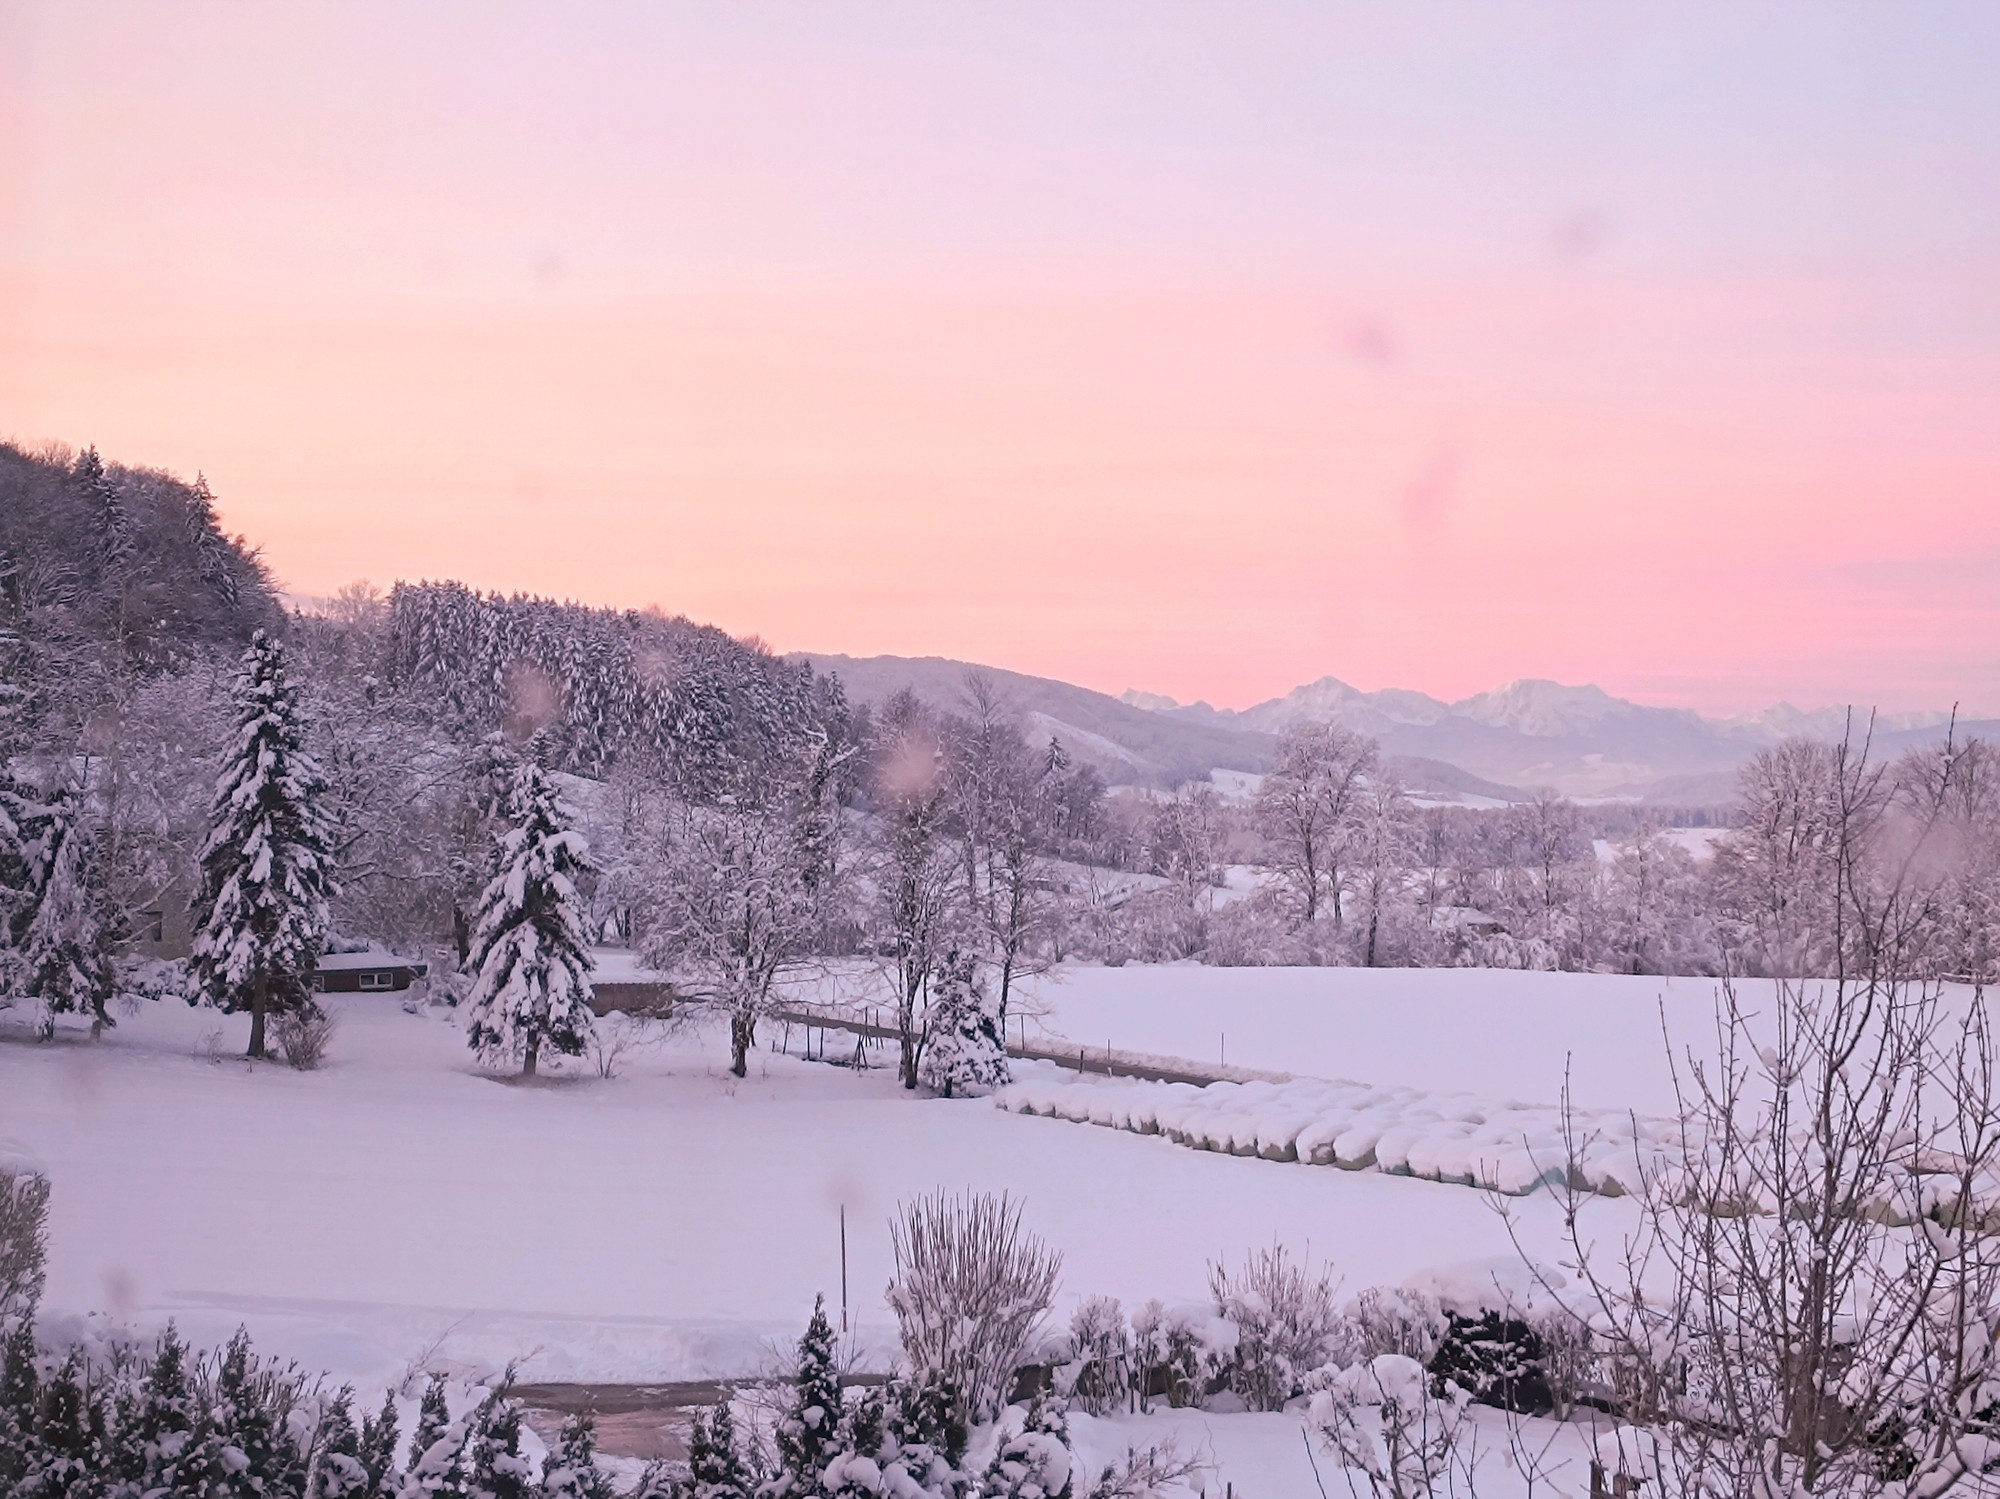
(1447, 1137)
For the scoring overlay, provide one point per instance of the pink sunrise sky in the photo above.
(1202, 348)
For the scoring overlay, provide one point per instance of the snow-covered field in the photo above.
(674, 1223)
(1499, 1034)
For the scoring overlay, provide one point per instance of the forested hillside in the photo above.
(109, 574)
(744, 817)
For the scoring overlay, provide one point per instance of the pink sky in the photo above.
(1202, 349)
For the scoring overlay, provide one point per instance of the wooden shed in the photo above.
(370, 972)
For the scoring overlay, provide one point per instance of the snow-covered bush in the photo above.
(303, 1036)
(1386, 1319)
(1099, 1373)
(1183, 1352)
(158, 979)
(167, 1420)
(1381, 1420)
(1034, 1459)
(970, 1291)
(1497, 1358)
(1287, 1321)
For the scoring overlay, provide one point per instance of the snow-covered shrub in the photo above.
(1505, 950)
(1387, 1319)
(304, 1035)
(969, 1293)
(1497, 1358)
(157, 979)
(1569, 1359)
(24, 1218)
(166, 1420)
(1099, 1374)
(1287, 1323)
(1183, 1353)
(902, 1442)
(1380, 1419)
(1260, 932)
(1034, 1459)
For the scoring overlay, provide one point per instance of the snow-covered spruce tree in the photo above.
(266, 867)
(717, 1468)
(157, 1452)
(530, 960)
(251, 1408)
(966, 1056)
(808, 1433)
(337, 1471)
(433, 1421)
(64, 957)
(570, 1470)
(378, 1445)
(497, 1470)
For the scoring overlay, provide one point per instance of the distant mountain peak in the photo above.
(1544, 709)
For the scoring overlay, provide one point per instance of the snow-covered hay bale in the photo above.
(1453, 1138)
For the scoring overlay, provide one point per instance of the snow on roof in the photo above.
(621, 965)
(374, 957)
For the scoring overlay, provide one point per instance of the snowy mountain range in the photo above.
(1498, 744)
(1579, 739)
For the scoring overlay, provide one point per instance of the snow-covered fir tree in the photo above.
(809, 1432)
(530, 960)
(266, 867)
(966, 1055)
(64, 925)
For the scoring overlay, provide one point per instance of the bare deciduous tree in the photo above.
(1307, 804)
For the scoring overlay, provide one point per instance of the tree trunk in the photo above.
(742, 1035)
(528, 1062)
(461, 933)
(259, 992)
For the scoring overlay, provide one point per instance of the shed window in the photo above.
(378, 980)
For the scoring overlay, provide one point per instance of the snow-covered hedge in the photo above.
(1448, 1137)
